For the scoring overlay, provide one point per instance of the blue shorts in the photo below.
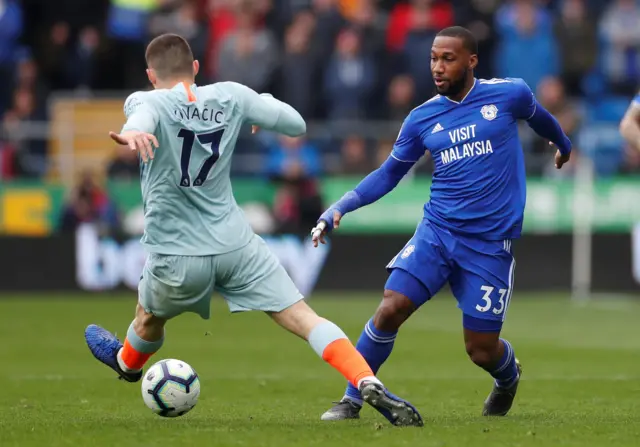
(479, 272)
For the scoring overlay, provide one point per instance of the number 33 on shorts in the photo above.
(495, 301)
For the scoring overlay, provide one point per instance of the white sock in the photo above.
(122, 365)
(373, 379)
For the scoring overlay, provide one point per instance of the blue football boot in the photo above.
(397, 411)
(105, 346)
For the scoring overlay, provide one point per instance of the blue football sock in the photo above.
(505, 372)
(375, 346)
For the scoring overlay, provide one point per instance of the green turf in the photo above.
(263, 387)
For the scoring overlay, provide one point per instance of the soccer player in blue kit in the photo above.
(475, 211)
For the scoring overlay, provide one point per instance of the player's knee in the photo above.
(394, 310)
(482, 354)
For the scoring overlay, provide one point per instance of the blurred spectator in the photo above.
(527, 47)
(371, 26)
(278, 14)
(383, 151)
(329, 23)
(355, 159)
(349, 8)
(69, 64)
(30, 153)
(181, 17)
(621, 38)
(76, 14)
(221, 23)
(299, 71)
(387, 5)
(10, 31)
(297, 206)
(83, 59)
(417, 15)
(27, 76)
(292, 158)
(248, 55)
(412, 29)
(127, 30)
(401, 98)
(294, 164)
(477, 16)
(262, 8)
(345, 60)
(24, 154)
(69, 20)
(223, 16)
(125, 166)
(89, 204)
(7, 153)
(54, 56)
(577, 40)
(349, 79)
(551, 95)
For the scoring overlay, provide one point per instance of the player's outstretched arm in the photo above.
(373, 187)
(272, 114)
(407, 150)
(266, 112)
(137, 141)
(545, 125)
(137, 133)
(630, 124)
(526, 107)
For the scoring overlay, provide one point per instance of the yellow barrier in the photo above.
(25, 212)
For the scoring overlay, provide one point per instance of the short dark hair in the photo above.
(468, 39)
(169, 55)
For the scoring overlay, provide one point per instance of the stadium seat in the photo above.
(81, 129)
(602, 143)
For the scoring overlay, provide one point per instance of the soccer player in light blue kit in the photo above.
(630, 124)
(474, 213)
(196, 235)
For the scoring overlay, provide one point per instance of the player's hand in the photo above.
(137, 141)
(255, 129)
(324, 226)
(561, 159)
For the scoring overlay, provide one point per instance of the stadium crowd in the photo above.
(353, 68)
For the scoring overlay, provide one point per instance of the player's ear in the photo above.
(473, 61)
(196, 68)
(152, 76)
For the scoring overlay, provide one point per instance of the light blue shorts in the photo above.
(250, 278)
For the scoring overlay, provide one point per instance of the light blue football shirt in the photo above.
(189, 207)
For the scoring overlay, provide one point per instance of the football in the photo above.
(170, 388)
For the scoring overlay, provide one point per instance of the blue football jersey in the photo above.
(636, 100)
(479, 182)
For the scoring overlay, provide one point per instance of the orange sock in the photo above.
(133, 359)
(344, 357)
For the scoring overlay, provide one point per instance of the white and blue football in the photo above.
(170, 388)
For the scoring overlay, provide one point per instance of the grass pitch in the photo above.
(263, 387)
